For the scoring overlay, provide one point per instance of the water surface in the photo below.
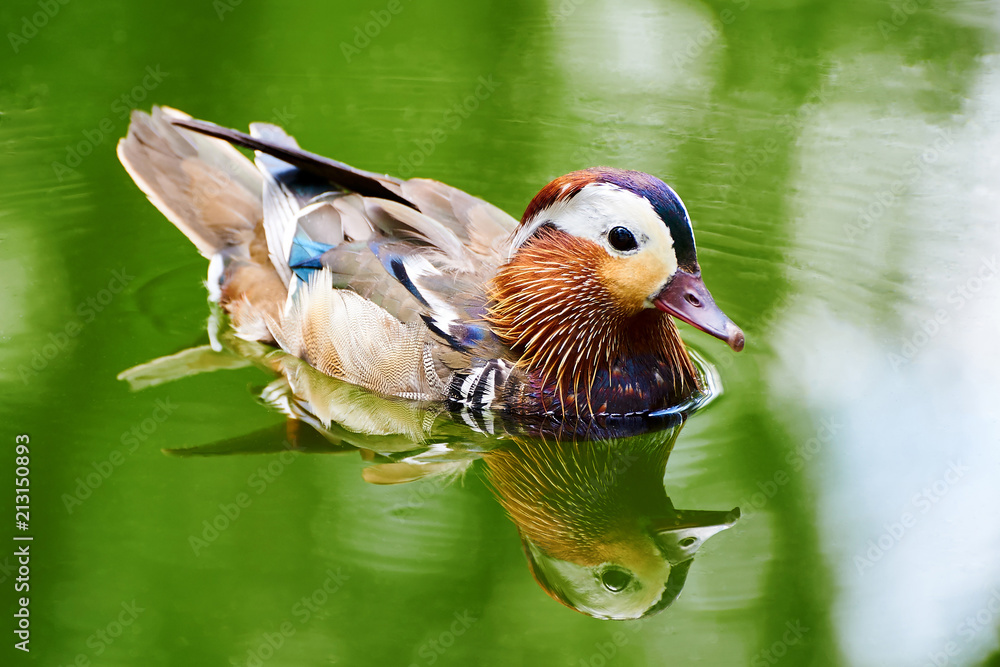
(839, 159)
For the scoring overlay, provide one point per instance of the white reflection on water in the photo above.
(882, 336)
(622, 46)
(630, 69)
(26, 261)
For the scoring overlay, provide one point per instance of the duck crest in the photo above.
(561, 189)
(584, 350)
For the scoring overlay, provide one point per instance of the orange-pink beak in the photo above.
(686, 298)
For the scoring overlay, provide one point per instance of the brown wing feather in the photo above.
(484, 228)
(204, 186)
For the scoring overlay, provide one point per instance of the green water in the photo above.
(839, 159)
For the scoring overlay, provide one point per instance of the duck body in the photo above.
(415, 289)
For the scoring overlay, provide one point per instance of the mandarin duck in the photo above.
(415, 289)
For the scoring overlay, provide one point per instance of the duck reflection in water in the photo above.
(598, 529)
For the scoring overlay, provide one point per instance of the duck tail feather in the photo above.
(208, 189)
(362, 182)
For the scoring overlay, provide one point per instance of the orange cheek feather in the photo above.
(631, 280)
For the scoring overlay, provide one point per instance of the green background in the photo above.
(839, 160)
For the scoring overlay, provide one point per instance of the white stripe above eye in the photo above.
(595, 209)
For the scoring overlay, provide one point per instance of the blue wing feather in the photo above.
(306, 256)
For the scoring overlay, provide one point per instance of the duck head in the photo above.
(601, 258)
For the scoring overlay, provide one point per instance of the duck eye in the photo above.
(622, 239)
(615, 580)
